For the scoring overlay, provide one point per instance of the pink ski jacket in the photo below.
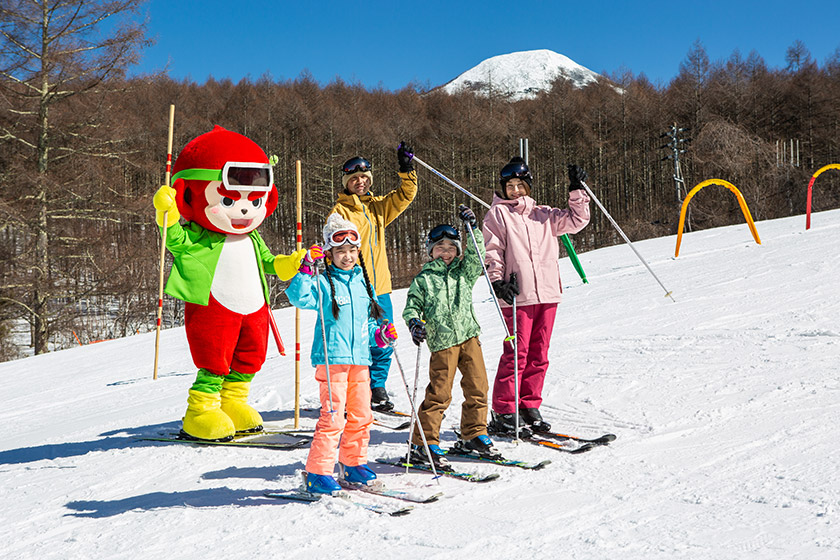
(521, 237)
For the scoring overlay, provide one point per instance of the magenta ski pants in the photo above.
(534, 324)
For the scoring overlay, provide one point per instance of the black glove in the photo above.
(466, 215)
(576, 177)
(418, 330)
(506, 291)
(404, 156)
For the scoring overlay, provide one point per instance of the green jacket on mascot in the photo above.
(222, 185)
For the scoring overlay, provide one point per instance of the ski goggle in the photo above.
(444, 231)
(357, 165)
(344, 236)
(235, 176)
(515, 170)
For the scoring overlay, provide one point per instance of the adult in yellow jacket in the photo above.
(371, 214)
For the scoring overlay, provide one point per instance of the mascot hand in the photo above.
(164, 202)
(286, 266)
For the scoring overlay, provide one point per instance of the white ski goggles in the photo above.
(235, 176)
(344, 237)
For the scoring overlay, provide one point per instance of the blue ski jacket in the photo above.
(350, 336)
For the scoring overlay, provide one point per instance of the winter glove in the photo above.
(506, 291)
(385, 335)
(404, 156)
(418, 330)
(576, 177)
(310, 261)
(286, 266)
(466, 215)
(164, 202)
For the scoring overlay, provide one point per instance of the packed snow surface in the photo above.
(521, 75)
(726, 404)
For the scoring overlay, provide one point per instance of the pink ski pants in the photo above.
(534, 324)
(351, 395)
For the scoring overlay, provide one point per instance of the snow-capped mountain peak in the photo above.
(521, 75)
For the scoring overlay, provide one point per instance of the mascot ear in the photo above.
(271, 202)
(183, 196)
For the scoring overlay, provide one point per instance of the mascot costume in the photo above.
(222, 184)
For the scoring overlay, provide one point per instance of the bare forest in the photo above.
(79, 247)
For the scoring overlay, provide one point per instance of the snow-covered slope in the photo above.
(726, 406)
(521, 75)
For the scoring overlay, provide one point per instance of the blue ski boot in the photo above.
(357, 475)
(321, 484)
(418, 455)
(480, 445)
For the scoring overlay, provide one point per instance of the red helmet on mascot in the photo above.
(224, 182)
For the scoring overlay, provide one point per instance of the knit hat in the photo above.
(515, 169)
(336, 223)
(356, 166)
(441, 232)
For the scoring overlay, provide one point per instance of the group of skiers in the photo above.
(226, 196)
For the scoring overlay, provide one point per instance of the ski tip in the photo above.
(433, 498)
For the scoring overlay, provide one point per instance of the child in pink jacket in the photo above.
(521, 238)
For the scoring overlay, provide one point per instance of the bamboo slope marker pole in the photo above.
(299, 211)
(163, 240)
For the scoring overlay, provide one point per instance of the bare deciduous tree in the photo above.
(52, 51)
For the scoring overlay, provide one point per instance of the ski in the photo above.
(280, 429)
(391, 412)
(309, 497)
(396, 427)
(378, 488)
(601, 440)
(469, 477)
(451, 452)
(560, 446)
(564, 447)
(259, 439)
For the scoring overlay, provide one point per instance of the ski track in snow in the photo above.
(725, 405)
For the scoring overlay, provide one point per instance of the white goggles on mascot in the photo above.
(235, 176)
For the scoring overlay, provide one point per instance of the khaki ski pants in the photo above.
(467, 358)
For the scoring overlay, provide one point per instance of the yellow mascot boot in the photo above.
(204, 418)
(234, 403)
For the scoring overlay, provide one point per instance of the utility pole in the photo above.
(523, 149)
(675, 146)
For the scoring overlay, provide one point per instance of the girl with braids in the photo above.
(351, 324)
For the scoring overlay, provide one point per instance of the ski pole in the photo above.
(515, 345)
(163, 240)
(615, 225)
(483, 266)
(565, 237)
(508, 336)
(324, 334)
(450, 181)
(413, 399)
(414, 417)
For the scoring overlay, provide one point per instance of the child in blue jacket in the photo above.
(351, 315)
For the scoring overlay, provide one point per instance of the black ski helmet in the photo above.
(515, 169)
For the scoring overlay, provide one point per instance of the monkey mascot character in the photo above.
(222, 185)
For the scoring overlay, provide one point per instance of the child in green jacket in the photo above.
(439, 310)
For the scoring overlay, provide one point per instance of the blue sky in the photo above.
(392, 44)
